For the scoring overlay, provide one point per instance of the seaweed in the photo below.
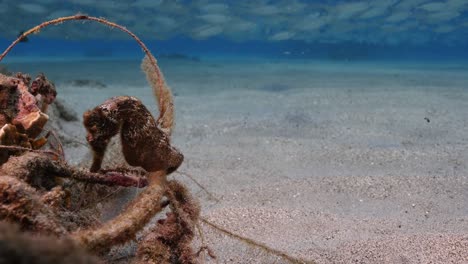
(39, 187)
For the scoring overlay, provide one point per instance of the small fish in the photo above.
(25, 39)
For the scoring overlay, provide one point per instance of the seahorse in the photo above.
(145, 141)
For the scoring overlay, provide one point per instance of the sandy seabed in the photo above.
(322, 162)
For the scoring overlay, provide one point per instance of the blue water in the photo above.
(414, 30)
(321, 124)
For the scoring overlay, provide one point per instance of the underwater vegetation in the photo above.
(37, 198)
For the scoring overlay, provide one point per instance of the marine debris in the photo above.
(43, 195)
(49, 208)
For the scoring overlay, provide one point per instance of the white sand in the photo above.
(333, 163)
